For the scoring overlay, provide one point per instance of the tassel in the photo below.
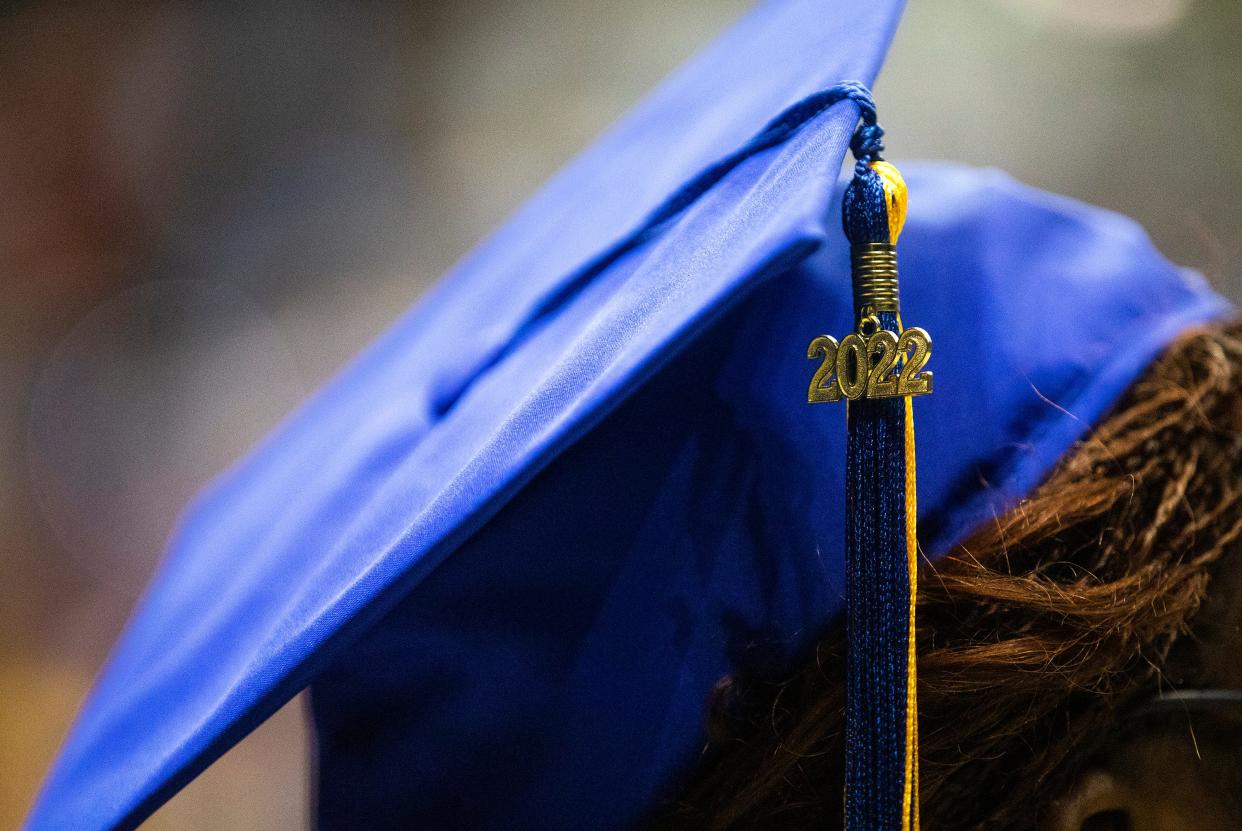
(878, 369)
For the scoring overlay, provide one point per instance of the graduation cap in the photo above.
(515, 544)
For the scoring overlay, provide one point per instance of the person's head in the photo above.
(1045, 643)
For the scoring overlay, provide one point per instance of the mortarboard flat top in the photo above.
(578, 483)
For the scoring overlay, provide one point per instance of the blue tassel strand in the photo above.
(879, 608)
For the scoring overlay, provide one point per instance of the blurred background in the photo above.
(205, 209)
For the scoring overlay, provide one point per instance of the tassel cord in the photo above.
(881, 724)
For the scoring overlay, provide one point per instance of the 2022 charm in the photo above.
(870, 363)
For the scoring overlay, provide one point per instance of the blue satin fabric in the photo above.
(553, 673)
(513, 567)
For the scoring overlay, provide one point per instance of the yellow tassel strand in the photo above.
(896, 197)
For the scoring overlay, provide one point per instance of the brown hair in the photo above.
(1033, 633)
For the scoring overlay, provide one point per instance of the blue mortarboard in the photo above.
(516, 543)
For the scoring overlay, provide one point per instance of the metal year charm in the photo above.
(870, 363)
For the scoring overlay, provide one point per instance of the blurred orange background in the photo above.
(205, 209)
